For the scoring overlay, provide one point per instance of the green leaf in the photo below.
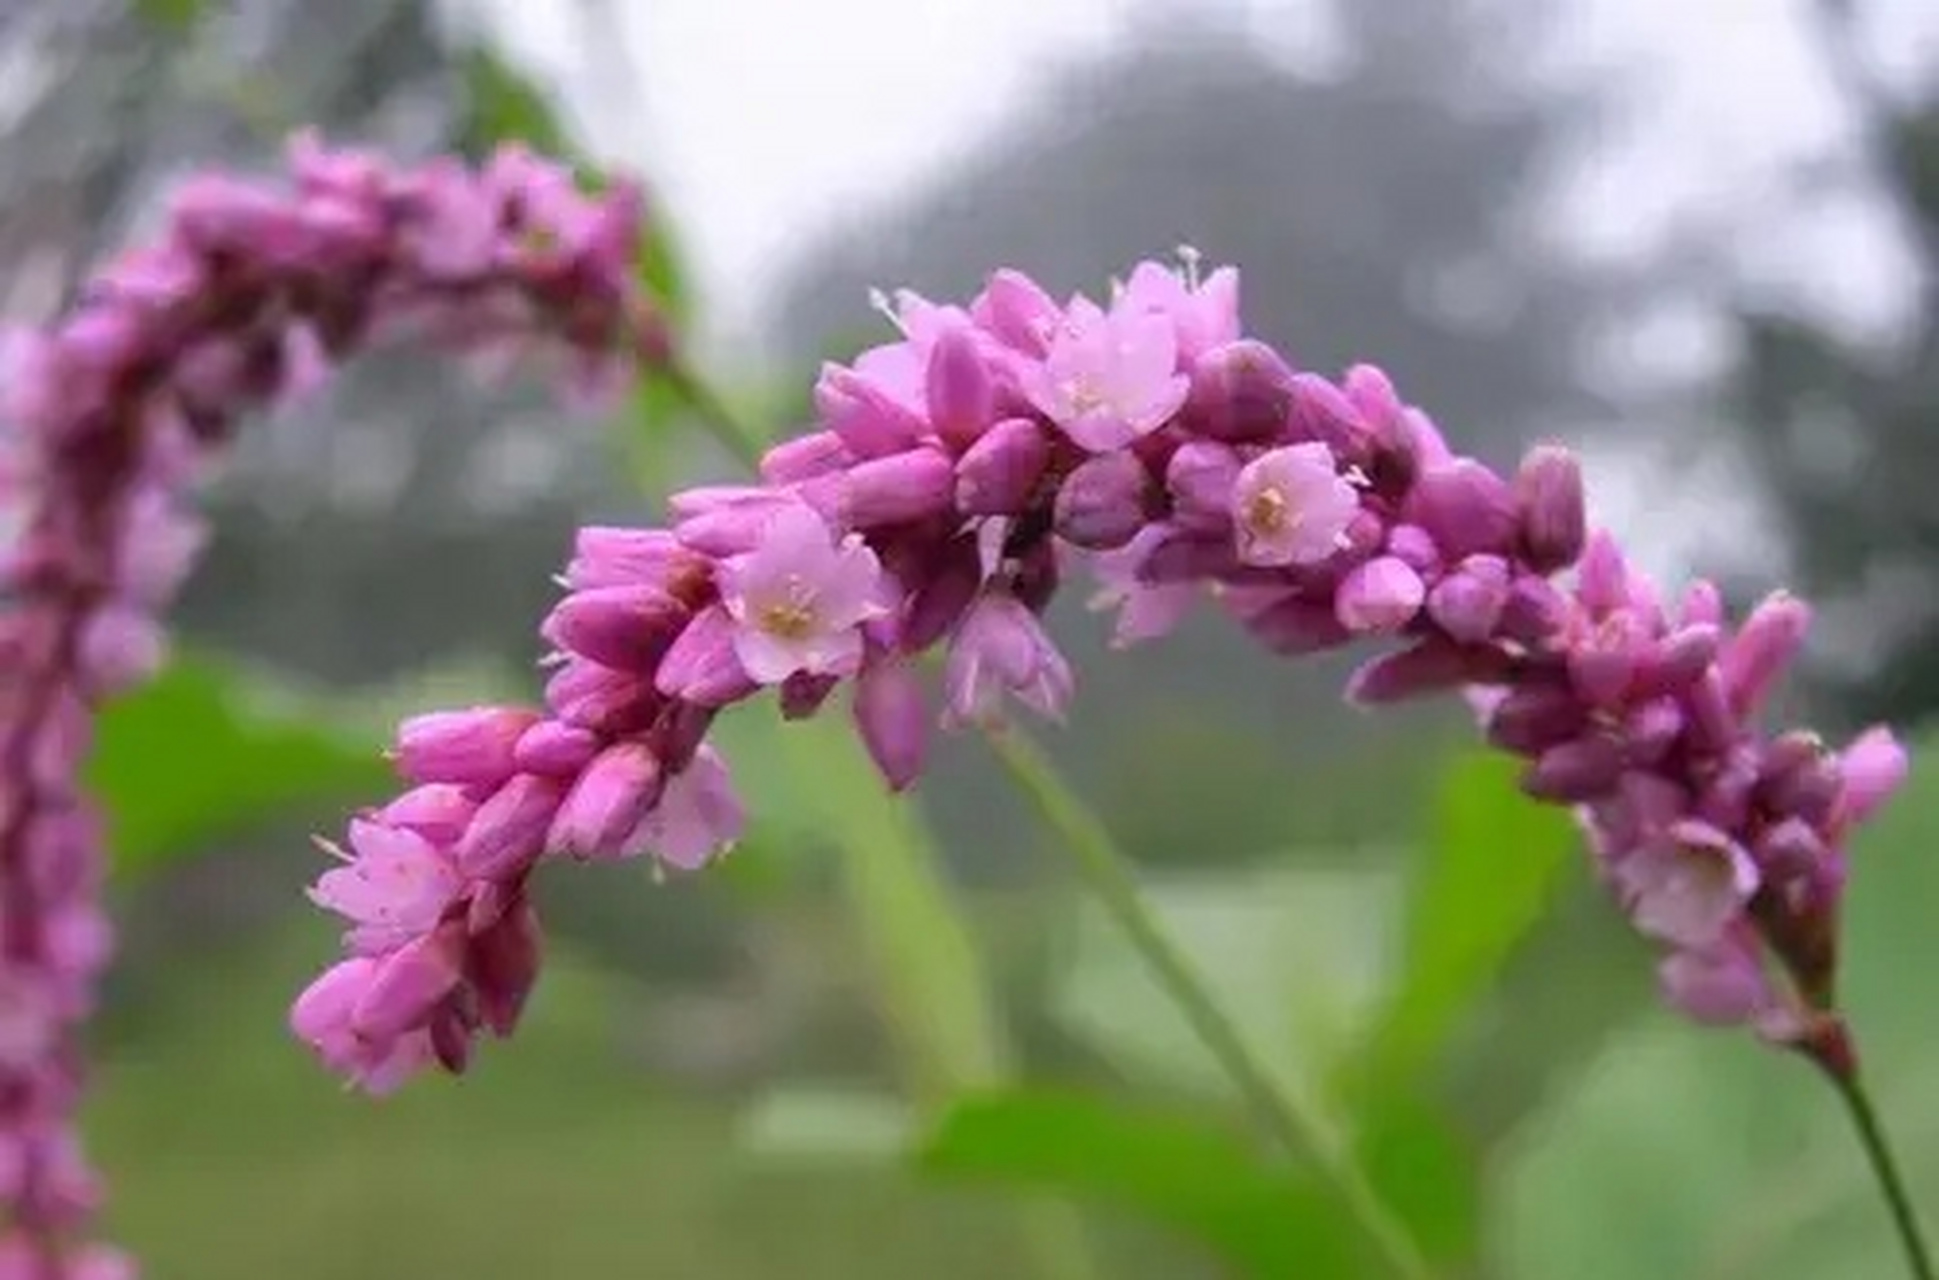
(174, 16)
(1296, 957)
(505, 105)
(1176, 1170)
(1492, 869)
(928, 976)
(202, 752)
(1422, 1167)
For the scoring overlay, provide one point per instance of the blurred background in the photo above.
(1700, 241)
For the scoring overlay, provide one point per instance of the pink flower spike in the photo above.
(697, 820)
(1109, 379)
(1145, 612)
(408, 985)
(1017, 310)
(960, 396)
(798, 600)
(1103, 502)
(1550, 504)
(1290, 506)
(395, 885)
(1687, 888)
(1720, 985)
(321, 1017)
(703, 665)
(437, 811)
(1754, 659)
(1002, 648)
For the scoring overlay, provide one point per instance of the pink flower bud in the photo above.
(438, 812)
(702, 665)
(1201, 477)
(407, 985)
(556, 749)
(1416, 547)
(1534, 718)
(942, 594)
(626, 627)
(818, 453)
(1465, 507)
(471, 748)
(997, 475)
(1102, 503)
(1241, 391)
(608, 557)
(606, 802)
(1754, 659)
(1018, 311)
(1375, 402)
(507, 834)
(589, 696)
(896, 489)
(893, 718)
(960, 397)
(1550, 505)
(869, 420)
(1467, 604)
(1322, 413)
(1674, 662)
(120, 648)
(1871, 768)
(1380, 597)
(1582, 769)
(504, 965)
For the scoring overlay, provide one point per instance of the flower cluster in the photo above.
(951, 479)
(253, 292)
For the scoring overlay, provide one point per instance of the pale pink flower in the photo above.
(698, 818)
(798, 600)
(1687, 887)
(1291, 506)
(1001, 648)
(394, 885)
(1109, 378)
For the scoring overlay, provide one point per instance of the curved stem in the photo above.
(1878, 1152)
(1107, 874)
(741, 441)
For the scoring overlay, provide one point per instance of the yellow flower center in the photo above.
(1267, 511)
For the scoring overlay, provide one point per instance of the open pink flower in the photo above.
(698, 818)
(393, 886)
(1688, 887)
(1000, 648)
(1109, 377)
(1291, 506)
(798, 600)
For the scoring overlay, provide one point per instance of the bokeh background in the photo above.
(1698, 240)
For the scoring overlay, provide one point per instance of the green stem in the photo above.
(1878, 1152)
(741, 441)
(1107, 874)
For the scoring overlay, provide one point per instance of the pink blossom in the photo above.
(698, 818)
(799, 599)
(1109, 378)
(1687, 887)
(1001, 648)
(1291, 506)
(393, 886)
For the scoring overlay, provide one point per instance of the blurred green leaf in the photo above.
(1176, 1170)
(1296, 957)
(505, 105)
(170, 15)
(1425, 1171)
(202, 752)
(928, 975)
(819, 1125)
(1708, 1154)
(1494, 864)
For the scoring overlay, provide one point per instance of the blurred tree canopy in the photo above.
(1846, 437)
